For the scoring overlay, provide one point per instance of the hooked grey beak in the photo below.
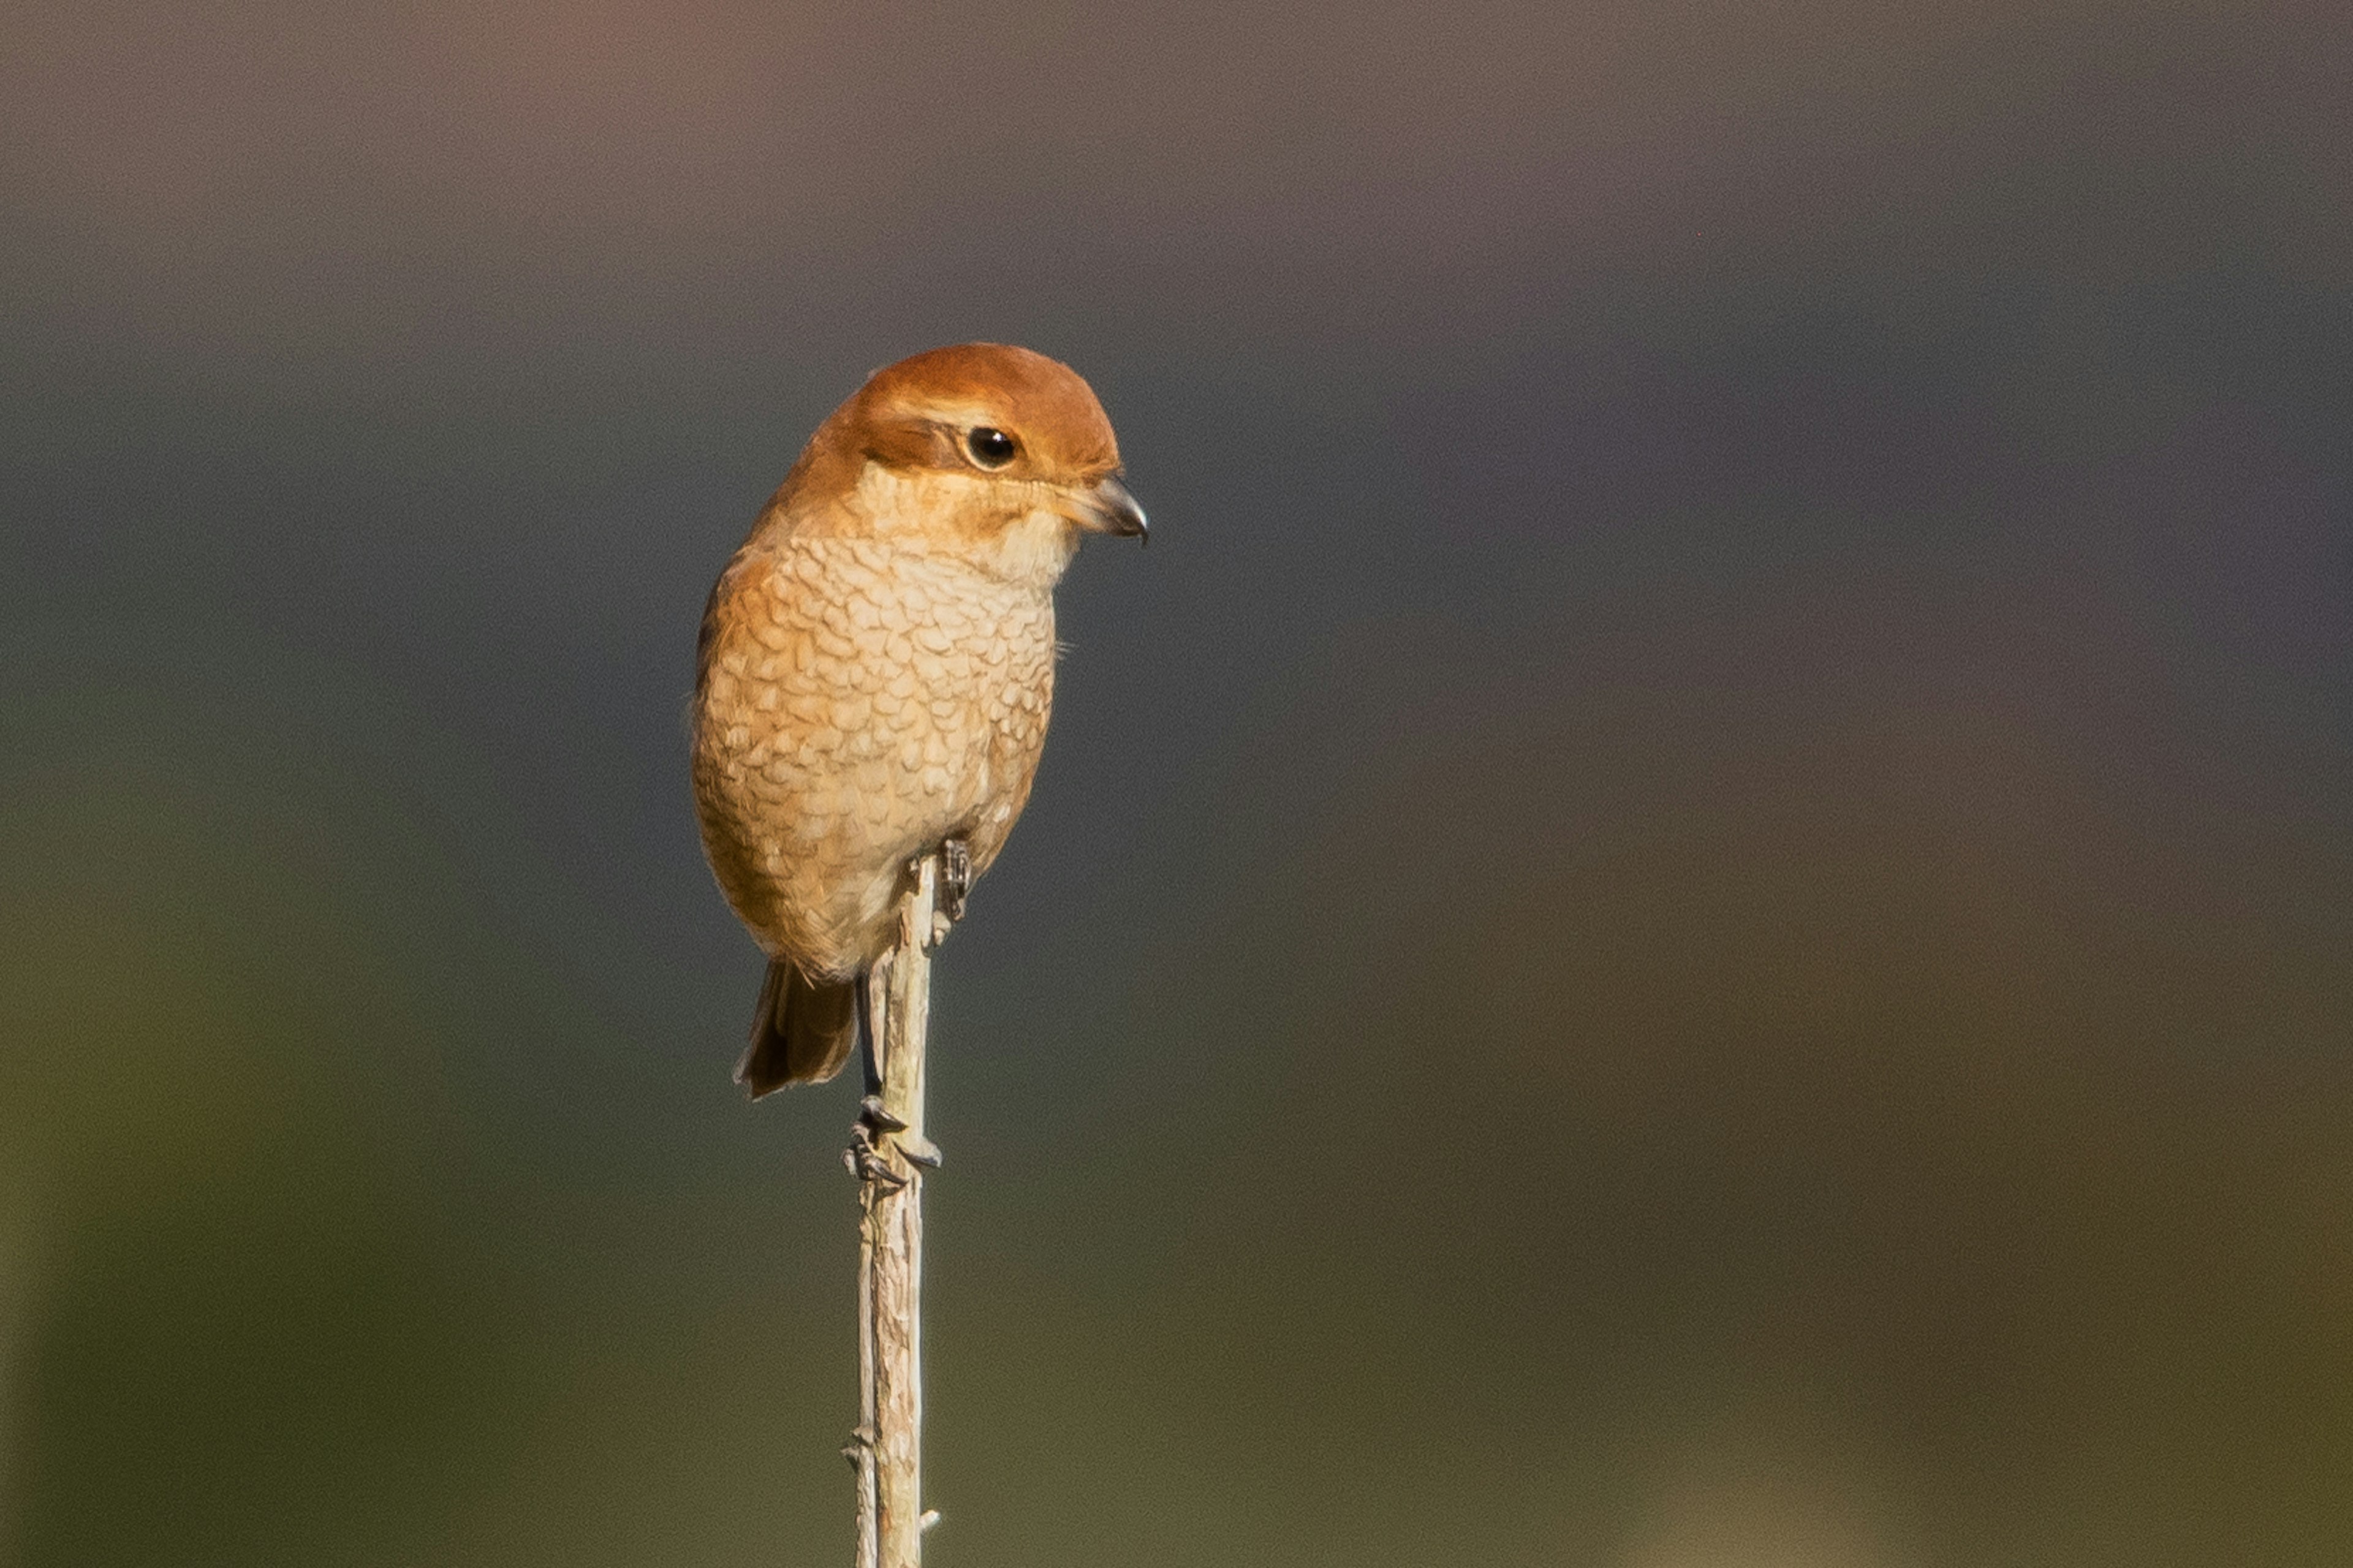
(1110, 508)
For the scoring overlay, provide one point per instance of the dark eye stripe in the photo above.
(991, 447)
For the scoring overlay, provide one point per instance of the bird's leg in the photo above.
(866, 1153)
(878, 1128)
(955, 877)
(869, 1058)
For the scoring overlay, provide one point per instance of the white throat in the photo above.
(1034, 550)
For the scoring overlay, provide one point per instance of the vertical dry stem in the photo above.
(891, 1153)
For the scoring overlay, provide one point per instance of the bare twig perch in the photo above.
(890, 1154)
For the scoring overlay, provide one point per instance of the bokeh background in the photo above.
(1696, 911)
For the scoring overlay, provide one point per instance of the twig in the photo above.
(889, 1153)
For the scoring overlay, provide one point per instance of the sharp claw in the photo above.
(877, 1132)
(867, 1159)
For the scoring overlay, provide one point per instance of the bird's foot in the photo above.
(870, 1161)
(955, 877)
(878, 1129)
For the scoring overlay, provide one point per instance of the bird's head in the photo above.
(991, 449)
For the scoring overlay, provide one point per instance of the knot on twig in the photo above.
(859, 1449)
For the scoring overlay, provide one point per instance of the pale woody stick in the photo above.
(889, 1153)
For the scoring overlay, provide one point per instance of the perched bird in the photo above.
(877, 665)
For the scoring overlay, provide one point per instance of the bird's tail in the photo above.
(803, 1032)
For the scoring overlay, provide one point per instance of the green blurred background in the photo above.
(1696, 913)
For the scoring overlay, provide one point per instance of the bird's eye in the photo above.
(991, 447)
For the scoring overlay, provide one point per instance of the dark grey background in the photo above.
(1695, 909)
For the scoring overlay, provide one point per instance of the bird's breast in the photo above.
(859, 702)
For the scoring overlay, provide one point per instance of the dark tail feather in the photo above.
(803, 1032)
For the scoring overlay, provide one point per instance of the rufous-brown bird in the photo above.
(876, 666)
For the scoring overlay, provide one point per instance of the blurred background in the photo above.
(1696, 911)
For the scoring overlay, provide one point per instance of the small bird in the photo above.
(877, 665)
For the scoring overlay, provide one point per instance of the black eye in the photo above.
(991, 447)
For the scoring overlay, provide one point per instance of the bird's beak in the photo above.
(1110, 508)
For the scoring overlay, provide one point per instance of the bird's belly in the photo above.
(838, 737)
